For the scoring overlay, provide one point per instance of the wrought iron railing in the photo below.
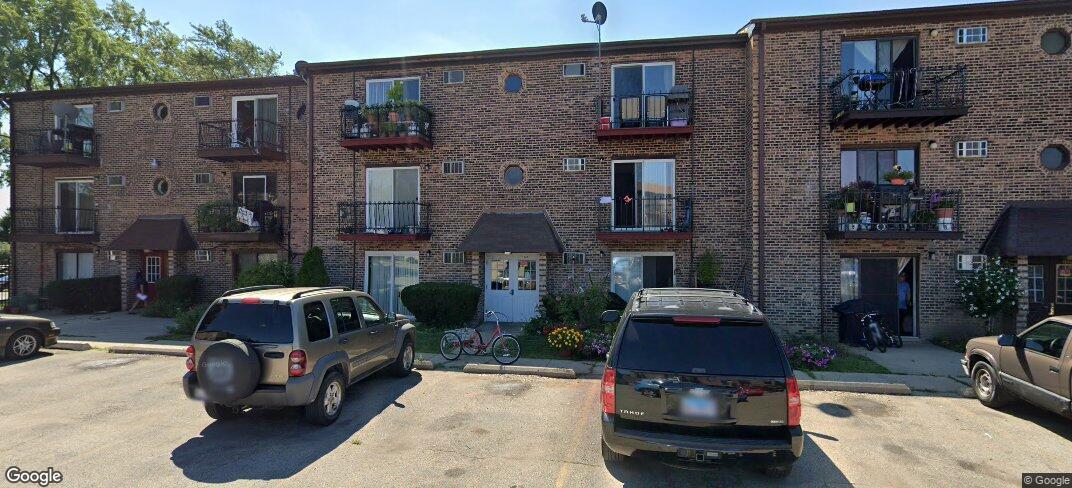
(53, 220)
(387, 120)
(915, 88)
(672, 109)
(242, 133)
(384, 218)
(72, 139)
(893, 209)
(223, 217)
(645, 214)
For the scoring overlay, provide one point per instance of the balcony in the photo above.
(219, 222)
(54, 224)
(241, 140)
(72, 146)
(384, 221)
(893, 212)
(394, 125)
(644, 219)
(900, 98)
(649, 115)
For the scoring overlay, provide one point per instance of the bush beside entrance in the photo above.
(86, 295)
(441, 304)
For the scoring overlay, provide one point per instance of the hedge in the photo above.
(85, 295)
(270, 273)
(179, 289)
(312, 271)
(441, 304)
(186, 321)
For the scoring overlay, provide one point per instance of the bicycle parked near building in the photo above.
(877, 334)
(503, 347)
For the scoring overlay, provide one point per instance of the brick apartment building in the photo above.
(532, 170)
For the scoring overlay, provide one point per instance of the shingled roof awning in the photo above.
(512, 232)
(1039, 228)
(157, 233)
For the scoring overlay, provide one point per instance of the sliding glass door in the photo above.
(387, 273)
(392, 198)
(74, 206)
(643, 195)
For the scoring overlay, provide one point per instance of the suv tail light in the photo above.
(609, 378)
(793, 393)
(297, 363)
(191, 364)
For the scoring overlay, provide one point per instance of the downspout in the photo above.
(290, 177)
(312, 140)
(353, 244)
(692, 175)
(761, 170)
(11, 181)
(822, 208)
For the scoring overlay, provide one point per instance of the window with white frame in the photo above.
(203, 255)
(572, 69)
(247, 260)
(454, 257)
(117, 180)
(74, 265)
(453, 167)
(1036, 283)
(202, 178)
(630, 272)
(972, 35)
(453, 77)
(83, 119)
(971, 149)
(255, 120)
(376, 91)
(573, 258)
(202, 101)
(574, 164)
(115, 106)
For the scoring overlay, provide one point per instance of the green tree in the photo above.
(312, 271)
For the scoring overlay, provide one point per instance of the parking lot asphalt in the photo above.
(122, 420)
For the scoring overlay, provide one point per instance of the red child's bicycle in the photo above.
(503, 347)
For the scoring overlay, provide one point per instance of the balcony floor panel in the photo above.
(54, 238)
(56, 160)
(229, 154)
(375, 143)
(628, 236)
(667, 131)
(897, 118)
(896, 235)
(237, 236)
(373, 237)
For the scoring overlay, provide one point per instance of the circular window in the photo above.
(161, 187)
(160, 111)
(1055, 41)
(514, 175)
(512, 84)
(1055, 157)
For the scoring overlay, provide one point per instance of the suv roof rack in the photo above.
(249, 288)
(314, 290)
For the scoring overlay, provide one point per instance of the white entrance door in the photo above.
(511, 286)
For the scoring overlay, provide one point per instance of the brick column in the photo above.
(124, 279)
(476, 278)
(541, 276)
(1022, 302)
(171, 263)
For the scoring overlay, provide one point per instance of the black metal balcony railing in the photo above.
(260, 134)
(53, 220)
(898, 209)
(646, 214)
(72, 140)
(672, 109)
(219, 217)
(387, 120)
(927, 88)
(404, 218)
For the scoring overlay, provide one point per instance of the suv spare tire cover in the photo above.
(228, 370)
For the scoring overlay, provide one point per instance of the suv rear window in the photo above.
(247, 322)
(662, 346)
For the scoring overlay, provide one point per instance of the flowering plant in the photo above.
(810, 355)
(989, 291)
(596, 343)
(565, 338)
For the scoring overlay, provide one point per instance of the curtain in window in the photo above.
(379, 280)
(627, 275)
(377, 90)
(388, 275)
(267, 113)
(656, 194)
(406, 274)
(850, 279)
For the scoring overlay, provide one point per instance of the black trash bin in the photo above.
(849, 313)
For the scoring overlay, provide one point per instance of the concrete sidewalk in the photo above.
(917, 358)
(583, 368)
(114, 327)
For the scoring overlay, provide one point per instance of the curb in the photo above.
(70, 346)
(546, 372)
(855, 387)
(121, 348)
(423, 364)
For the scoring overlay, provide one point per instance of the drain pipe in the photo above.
(822, 208)
(761, 170)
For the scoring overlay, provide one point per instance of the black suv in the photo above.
(697, 375)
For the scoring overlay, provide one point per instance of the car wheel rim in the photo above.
(407, 357)
(332, 398)
(984, 383)
(24, 345)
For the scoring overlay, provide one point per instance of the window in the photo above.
(75, 212)
(255, 121)
(971, 149)
(871, 164)
(246, 260)
(117, 180)
(573, 258)
(202, 101)
(878, 55)
(631, 272)
(1055, 41)
(115, 106)
(453, 167)
(74, 265)
(154, 268)
(643, 195)
(202, 178)
(345, 315)
(370, 313)
(161, 187)
(453, 77)
(971, 35)
(1064, 284)
(639, 93)
(1036, 283)
(83, 119)
(376, 91)
(1054, 157)
(254, 190)
(316, 321)
(203, 255)
(513, 83)
(850, 279)
(699, 349)
(454, 257)
(573, 69)
(574, 164)
(262, 322)
(514, 175)
(388, 272)
(1048, 338)
(392, 199)
(970, 262)
(160, 111)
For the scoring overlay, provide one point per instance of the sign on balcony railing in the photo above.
(262, 217)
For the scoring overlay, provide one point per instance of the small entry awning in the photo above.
(512, 232)
(157, 233)
(1034, 228)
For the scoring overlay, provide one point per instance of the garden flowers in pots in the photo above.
(566, 339)
(810, 355)
(898, 176)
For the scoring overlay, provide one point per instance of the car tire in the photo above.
(404, 362)
(23, 344)
(326, 407)
(779, 472)
(221, 412)
(987, 387)
(609, 455)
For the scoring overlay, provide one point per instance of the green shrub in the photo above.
(85, 295)
(441, 304)
(218, 216)
(584, 306)
(180, 290)
(162, 308)
(270, 273)
(186, 321)
(312, 272)
(708, 268)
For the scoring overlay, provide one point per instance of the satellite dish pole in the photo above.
(599, 16)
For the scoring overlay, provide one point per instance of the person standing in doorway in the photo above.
(140, 287)
(904, 303)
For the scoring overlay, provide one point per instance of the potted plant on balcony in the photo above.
(924, 219)
(898, 176)
(944, 213)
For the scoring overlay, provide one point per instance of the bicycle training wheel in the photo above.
(450, 346)
(505, 349)
(471, 346)
(880, 342)
(897, 341)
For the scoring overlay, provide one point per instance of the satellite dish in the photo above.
(599, 13)
(65, 110)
